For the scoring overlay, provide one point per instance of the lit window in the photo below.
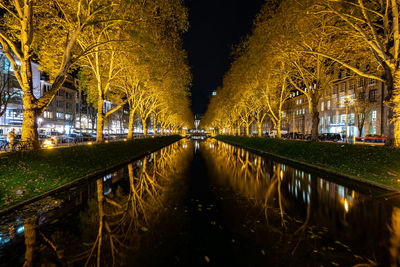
(351, 118)
(328, 105)
(373, 115)
(48, 115)
(59, 115)
(322, 106)
(343, 118)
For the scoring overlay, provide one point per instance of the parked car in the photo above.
(293, 135)
(307, 137)
(330, 137)
(88, 137)
(75, 137)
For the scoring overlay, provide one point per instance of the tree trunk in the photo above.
(238, 130)
(314, 119)
(155, 127)
(393, 138)
(360, 131)
(100, 120)
(259, 129)
(278, 129)
(130, 124)
(247, 130)
(29, 125)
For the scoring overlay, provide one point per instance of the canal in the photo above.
(204, 202)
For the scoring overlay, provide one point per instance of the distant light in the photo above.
(346, 205)
(214, 93)
(20, 229)
(90, 143)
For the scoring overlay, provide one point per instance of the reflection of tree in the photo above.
(36, 243)
(119, 215)
(395, 238)
(261, 181)
(275, 186)
(30, 242)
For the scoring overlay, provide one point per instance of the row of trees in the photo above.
(302, 46)
(127, 52)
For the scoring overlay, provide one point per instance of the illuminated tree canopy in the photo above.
(104, 39)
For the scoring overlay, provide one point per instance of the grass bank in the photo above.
(37, 172)
(377, 164)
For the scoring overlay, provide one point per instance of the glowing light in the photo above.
(48, 143)
(346, 205)
(90, 143)
(20, 229)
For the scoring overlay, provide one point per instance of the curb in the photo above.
(82, 179)
(318, 168)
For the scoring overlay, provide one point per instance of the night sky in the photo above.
(215, 25)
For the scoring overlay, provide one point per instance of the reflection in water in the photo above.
(306, 209)
(234, 201)
(395, 238)
(123, 205)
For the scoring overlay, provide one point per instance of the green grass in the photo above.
(37, 172)
(379, 164)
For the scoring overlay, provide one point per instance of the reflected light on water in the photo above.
(289, 193)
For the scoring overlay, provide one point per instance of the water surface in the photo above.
(206, 203)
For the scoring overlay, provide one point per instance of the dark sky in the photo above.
(215, 25)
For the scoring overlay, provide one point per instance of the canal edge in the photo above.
(82, 179)
(318, 168)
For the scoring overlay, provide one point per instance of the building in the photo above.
(357, 102)
(69, 110)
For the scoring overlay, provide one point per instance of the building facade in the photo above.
(353, 106)
(68, 112)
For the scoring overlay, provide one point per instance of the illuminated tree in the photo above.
(101, 68)
(47, 31)
(375, 25)
(310, 74)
